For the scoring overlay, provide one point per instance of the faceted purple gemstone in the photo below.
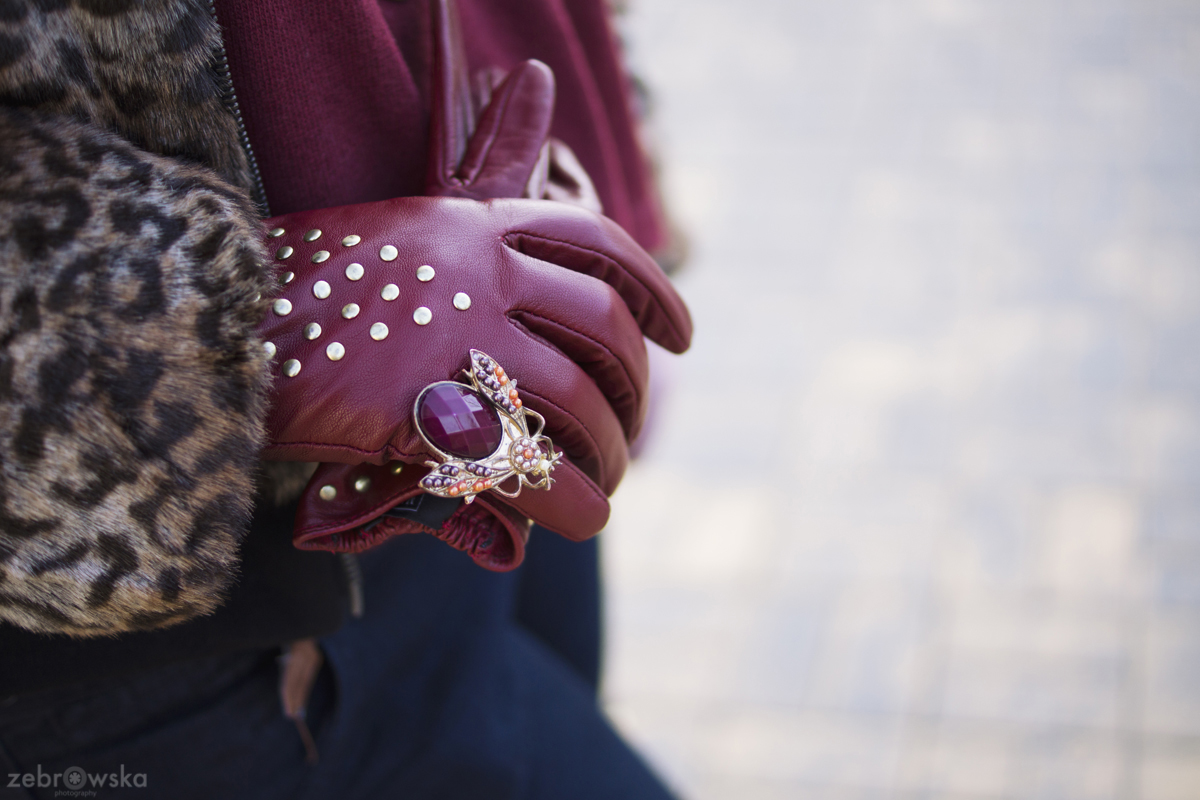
(459, 422)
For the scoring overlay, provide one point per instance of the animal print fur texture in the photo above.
(132, 383)
(142, 68)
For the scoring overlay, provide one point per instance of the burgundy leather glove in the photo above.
(559, 296)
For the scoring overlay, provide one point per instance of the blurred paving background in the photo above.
(921, 519)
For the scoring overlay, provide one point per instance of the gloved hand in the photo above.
(559, 296)
(500, 151)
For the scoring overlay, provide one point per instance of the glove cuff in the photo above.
(345, 509)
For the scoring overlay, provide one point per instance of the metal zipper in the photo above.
(225, 83)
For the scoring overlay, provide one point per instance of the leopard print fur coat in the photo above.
(132, 384)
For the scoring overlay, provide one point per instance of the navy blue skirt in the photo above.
(455, 683)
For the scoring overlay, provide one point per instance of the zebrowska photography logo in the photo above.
(76, 781)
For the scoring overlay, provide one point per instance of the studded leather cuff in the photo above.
(354, 508)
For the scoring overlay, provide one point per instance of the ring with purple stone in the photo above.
(482, 434)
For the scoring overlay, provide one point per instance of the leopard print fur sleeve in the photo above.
(132, 385)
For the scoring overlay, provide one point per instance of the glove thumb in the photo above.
(509, 138)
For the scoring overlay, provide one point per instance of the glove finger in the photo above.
(579, 419)
(586, 319)
(510, 133)
(573, 507)
(579, 240)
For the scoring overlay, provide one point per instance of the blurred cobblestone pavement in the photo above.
(921, 519)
